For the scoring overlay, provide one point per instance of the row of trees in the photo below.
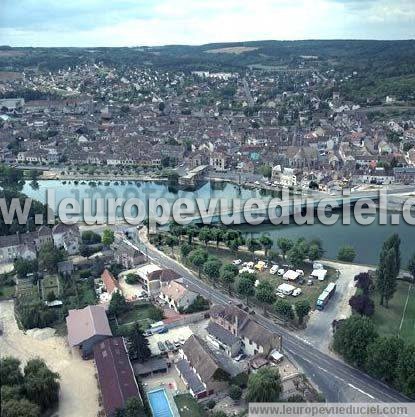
(389, 359)
(30, 393)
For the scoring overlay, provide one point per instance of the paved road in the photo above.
(338, 381)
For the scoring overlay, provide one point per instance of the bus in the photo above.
(325, 296)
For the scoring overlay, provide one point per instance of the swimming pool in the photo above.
(159, 403)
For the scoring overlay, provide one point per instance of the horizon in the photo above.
(129, 23)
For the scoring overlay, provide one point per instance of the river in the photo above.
(367, 240)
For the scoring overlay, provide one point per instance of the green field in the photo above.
(399, 318)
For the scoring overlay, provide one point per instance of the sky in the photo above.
(89, 23)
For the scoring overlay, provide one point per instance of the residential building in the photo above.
(87, 327)
(110, 283)
(177, 296)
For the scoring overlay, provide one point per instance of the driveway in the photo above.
(79, 390)
(318, 331)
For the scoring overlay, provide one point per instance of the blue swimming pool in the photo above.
(159, 403)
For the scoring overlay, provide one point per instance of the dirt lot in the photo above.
(79, 390)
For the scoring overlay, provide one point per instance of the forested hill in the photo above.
(386, 57)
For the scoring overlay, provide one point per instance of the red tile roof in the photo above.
(111, 284)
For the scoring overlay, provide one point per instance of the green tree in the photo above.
(352, 339)
(137, 344)
(19, 408)
(191, 232)
(10, 373)
(406, 370)
(108, 237)
(49, 257)
(134, 407)
(296, 255)
(264, 386)
(212, 268)
(89, 237)
(22, 267)
(302, 308)
(346, 254)
(41, 384)
(265, 293)
(245, 286)
(283, 309)
(118, 304)
(228, 274)
(171, 242)
(14, 392)
(313, 252)
(284, 245)
(50, 296)
(198, 257)
(253, 245)
(132, 279)
(266, 243)
(217, 234)
(386, 275)
(205, 235)
(235, 392)
(382, 358)
(185, 249)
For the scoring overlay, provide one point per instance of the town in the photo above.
(199, 320)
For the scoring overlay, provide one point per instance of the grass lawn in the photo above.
(188, 406)
(50, 283)
(399, 318)
(7, 291)
(138, 312)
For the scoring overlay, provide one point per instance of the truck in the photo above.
(325, 296)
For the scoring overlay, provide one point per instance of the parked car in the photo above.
(300, 271)
(281, 272)
(237, 261)
(310, 282)
(161, 346)
(296, 292)
(169, 345)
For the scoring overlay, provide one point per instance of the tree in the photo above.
(346, 254)
(264, 386)
(172, 241)
(352, 339)
(49, 257)
(132, 279)
(205, 235)
(364, 282)
(297, 254)
(265, 293)
(362, 304)
(245, 286)
(302, 308)
(386, 275)
(108, 237)
(134, 407)
(228, 274)
(212, 268)
(198, 257)
(285, 245)
(90, 238)
(382, 358)
(253, 245)
(10, 373)
(283, 309)
(406, 370)
(191, 232)
(185, 249)
(313, 252)
(235, 392)
(22, 267)
(118, 304)
(266, 243)
(217, 234)
(137, 344)
(41, 384)
(19, 408)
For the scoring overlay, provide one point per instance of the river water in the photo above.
(367, 240)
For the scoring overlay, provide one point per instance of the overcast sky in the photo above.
(161, 22)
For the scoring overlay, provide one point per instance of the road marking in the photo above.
(363, 392)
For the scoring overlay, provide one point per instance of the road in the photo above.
(337, 381)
